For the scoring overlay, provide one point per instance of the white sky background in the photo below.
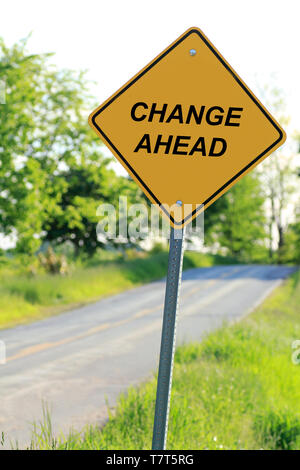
(114, 39)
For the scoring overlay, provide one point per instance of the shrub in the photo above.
(53, 263)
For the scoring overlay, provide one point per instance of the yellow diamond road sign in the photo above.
(186, 127)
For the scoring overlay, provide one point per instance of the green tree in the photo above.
(291, 248)
(85, 187)
(239, 219)
(279, 178)
(21, 177)
(52, 175)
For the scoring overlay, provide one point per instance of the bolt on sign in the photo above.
(187, 128)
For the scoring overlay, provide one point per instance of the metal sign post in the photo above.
(168, 339)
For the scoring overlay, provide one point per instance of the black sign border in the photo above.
(202, 206)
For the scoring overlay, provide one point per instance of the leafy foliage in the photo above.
(52, 175)
(238, 219)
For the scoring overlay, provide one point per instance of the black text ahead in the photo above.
(184, 144)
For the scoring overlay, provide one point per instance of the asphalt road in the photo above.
(76, 361)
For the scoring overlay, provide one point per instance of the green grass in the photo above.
(238, 389)
(27, 298)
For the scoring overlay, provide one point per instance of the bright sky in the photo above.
(114, 39)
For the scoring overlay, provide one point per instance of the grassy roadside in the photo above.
(27, 298)
(238, 389)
